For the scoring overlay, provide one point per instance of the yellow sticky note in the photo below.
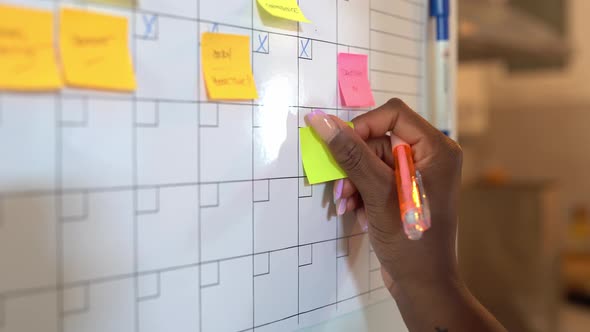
(95, 50)
(226, 66)
(27, 55)
(287, 9)
(318, 163)
(121, 3)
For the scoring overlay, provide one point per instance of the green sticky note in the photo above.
(318, 163)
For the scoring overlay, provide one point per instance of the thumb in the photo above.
(369, 174)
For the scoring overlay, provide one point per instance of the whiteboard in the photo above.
(160, 210)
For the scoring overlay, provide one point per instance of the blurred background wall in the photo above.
(524, 125)
(538, 120)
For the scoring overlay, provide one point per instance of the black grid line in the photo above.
(392, 92)
(318, 308)
(217, 198)
(393, 34)
(91, 190)
(413, 2)
(58, 213)
(267, 265)
(84, 110)
(135, 181)
(139, 211)
(396, 73)
(144, 124)
(83, 215)
(1, 108)
(163, 100)
(310, 256)
(298, 165)
(218, 281)
(347, 248)
(401, 17)
(58, 185)
(86, 302)
(338, 109)
(158, 293)
(253, 182)
(198, 148)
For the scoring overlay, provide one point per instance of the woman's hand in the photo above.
(365, 155)
(421, 275)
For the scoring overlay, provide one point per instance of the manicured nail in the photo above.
(341, 207)
(323, 125)
(361, 217)
(338, 189)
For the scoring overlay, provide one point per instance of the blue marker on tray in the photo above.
(439, 12)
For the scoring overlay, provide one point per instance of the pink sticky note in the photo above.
(353, 80)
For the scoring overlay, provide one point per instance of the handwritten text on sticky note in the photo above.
(95, 50)
(27, 56)
(353, 80)
(287, 9)
(318, 163)
(226, 66)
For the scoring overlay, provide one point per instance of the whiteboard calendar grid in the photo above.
(136, 201)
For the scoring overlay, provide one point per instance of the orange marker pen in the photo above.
(413, 203)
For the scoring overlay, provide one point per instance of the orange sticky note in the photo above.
(27, 55)
(226, 66)
(353, 79)
(95, 50)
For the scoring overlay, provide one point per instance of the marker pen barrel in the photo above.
(414, 209)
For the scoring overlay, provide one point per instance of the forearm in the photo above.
(446, 305)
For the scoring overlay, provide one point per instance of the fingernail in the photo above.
(361, 217)
(338, 189)
(341, 207)
(323, 125)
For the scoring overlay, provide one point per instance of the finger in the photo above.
(382, 148)
(338, 189)
(354, 156)
(354, 202)
(394, 116)
(344, 188)
(402, 121)
(348, 204)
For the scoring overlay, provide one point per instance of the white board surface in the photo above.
(162, 211)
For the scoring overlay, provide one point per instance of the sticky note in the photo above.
(318, 163)
(226, 66)
(95, 50)
(353, 79)
(121, 3)
(27, 56)
(287, 9)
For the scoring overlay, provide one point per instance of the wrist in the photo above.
(409, 290)
(426, 264)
